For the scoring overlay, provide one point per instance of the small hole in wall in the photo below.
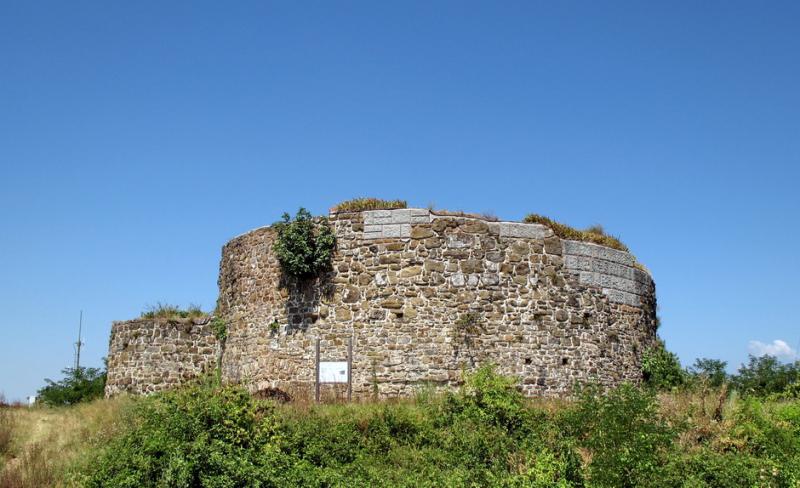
(528, 361)
(564, 361)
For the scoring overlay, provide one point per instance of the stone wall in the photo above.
(404, 283)
(148, 355)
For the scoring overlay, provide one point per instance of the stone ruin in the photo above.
(422, 298)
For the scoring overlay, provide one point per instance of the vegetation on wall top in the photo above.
(304, 246)
(172, 312)
(367, 203)
(594, 234)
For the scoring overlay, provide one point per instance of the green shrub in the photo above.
(628, 439)
(361, 204)
(711, 469)
(78, 385)
(197, 436)
(303, 246)
(220, 329)
(483, 435)
(594, 234)
(661, 368)
(490, 398)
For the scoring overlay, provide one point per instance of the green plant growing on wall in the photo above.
(220, 328)
(304, 246)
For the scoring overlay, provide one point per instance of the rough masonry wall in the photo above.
(149, 355)
(548, 311)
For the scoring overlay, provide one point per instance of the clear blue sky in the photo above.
(136, 138)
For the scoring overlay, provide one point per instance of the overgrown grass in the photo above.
(7, 426)
(52, 446)
(595, 234)
(360, 204)
(173, 312)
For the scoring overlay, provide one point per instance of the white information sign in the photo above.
(333, 371)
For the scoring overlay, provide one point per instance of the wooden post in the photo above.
(316, 381)
(350, 369)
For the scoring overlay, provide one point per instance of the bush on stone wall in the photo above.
(220, 329)
(304, 246)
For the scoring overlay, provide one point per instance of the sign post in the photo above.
(350, 369)
(334, 372)
(316, 381)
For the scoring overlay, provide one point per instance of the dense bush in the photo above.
(304, 247)
(661, 368)
(78, 385)
(628, 440)
(191, 437)
(484, 434)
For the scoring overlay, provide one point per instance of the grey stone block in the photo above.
(401, 216)
(517, 229)
(578, 263)
(391, 230)
(420, 219)
(577, 248)
(622, 297)
(614, 255)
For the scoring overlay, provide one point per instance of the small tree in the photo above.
(304, 247)
(766, 375)
(710, 370)
(78, 385)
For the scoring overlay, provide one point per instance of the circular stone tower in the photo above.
(424, 297)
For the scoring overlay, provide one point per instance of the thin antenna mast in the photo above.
(79, 344)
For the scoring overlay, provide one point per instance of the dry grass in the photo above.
(49, 444)
(595, 234)
(7, 427)
(705, 411)
(367, 203)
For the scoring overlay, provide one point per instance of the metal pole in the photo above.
(79, 344)
(316, 381)
(350, 369)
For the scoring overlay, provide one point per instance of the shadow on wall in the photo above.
(304, 297)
